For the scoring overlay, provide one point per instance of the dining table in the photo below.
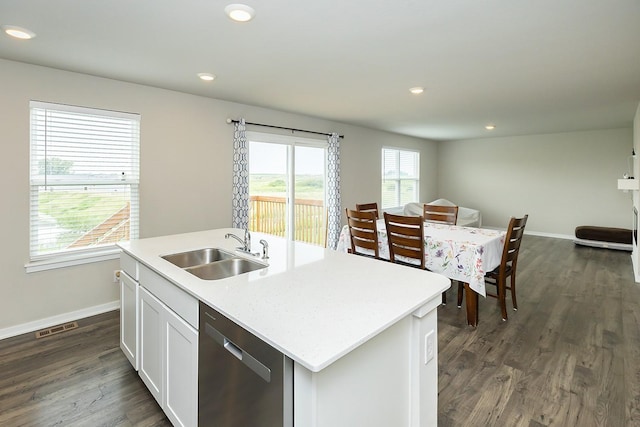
(464, 254)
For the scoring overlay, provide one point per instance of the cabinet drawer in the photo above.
(129, 265)
(183, 304)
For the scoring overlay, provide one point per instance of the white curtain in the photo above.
(240, 218)
(334, 210)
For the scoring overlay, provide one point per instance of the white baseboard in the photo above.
(539, 233)
(36, 325)
(555, 236)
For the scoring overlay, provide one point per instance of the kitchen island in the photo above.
(362, 333)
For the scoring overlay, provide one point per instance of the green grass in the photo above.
(307, 186)
(79, 210)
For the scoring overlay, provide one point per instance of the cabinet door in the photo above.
(181, 371)
(151, 343)
(129, 318)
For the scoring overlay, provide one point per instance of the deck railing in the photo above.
(268, 215)
(112, 230)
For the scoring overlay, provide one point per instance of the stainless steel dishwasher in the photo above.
(242, 381)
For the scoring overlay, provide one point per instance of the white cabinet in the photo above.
(129, 318)
(129, 331)
(151, 345)
(169, 359)
(181, 371)
(386, 381)
(159, 336)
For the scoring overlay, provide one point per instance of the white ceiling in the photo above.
(529, 66)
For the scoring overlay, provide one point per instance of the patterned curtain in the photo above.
(334, 210)
(240, 216)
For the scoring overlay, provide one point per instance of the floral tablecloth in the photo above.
(460, 253)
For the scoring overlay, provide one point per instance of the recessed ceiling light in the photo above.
(206, 76)
(240, 12)
(416, 90)
(18, 32)
(490, 126)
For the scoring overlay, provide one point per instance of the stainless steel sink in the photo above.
(198, 257)
(225, 268)
(213, 263)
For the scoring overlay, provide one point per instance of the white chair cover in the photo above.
(467, 217)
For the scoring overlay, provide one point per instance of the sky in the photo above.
(272, 158)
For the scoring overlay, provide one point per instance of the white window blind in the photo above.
(84, 179)
(400, 177)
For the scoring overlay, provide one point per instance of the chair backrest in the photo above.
(405, 235)
(512, 242)
(441, 213)
(368, 207)
(363, 231)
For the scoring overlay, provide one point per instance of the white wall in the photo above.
(561, 180)
(186, 167)
(363, 164)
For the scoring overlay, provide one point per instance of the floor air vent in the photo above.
(56, 329)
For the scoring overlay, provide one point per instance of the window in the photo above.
(400, 177)
(84, 178)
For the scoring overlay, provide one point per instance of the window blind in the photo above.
(84, 178)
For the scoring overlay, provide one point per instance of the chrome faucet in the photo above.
(246, 244)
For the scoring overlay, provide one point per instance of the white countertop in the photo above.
(313, 304)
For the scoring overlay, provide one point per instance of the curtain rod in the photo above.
(281, 127)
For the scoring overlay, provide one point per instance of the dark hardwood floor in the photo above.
(570, 356)
(76, 378)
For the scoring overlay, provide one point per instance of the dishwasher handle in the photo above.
(232, 348)
(249, 361)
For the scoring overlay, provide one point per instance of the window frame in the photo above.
(69, 257)
(399, 179)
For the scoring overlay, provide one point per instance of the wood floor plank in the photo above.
(490, 407)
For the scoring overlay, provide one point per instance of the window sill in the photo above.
(69, 260)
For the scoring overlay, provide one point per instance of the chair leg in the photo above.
(513, 292)
(460, 293)
(502, 285)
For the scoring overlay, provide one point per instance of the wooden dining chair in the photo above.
(508, 265)
(363, 232)
(440, 213)
(368, 207)
(405, 235)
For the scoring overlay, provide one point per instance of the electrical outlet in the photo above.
(429, 346)
(116, 276)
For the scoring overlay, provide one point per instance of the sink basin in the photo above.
(225, 268)
(212, 263)
(198, 257)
